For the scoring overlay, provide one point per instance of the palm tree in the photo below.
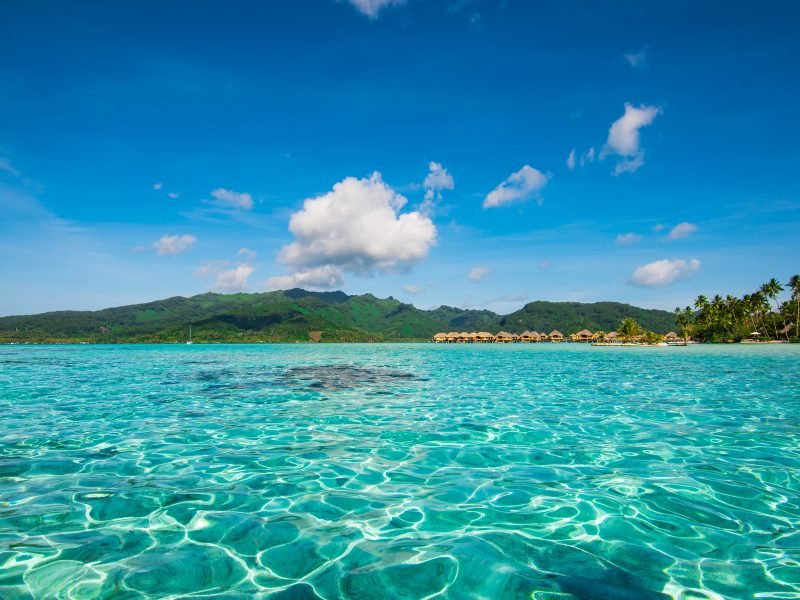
(794, 285)
(701, 302)
(685, 320)
(771, 289)
(629, 328)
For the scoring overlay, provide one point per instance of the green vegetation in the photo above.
(290, 315)
(629, 329)
(756, 316)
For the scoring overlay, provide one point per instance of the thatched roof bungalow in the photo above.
(612, 336)
(671, 337)
(440, 338)
(556, 336)
(536, 336)
(503, 337)
(452, 337)
(484, 337)
(526, 336)
(584, 335)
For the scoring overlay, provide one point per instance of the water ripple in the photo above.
(405, 471)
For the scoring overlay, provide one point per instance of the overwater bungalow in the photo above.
(612, 336)
(452, 337)
(556, 336)
(484, 337)
(440, 338)
(526, 337)
(544, 337)
(504, 338)
(463, 338)
(536, 336)
(584, 335)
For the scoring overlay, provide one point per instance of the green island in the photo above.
(299, 315)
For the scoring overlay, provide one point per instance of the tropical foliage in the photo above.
(759, 315)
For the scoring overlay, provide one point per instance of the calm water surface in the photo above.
(400, 471)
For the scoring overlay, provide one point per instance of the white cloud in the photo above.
(357, 227)
(519, 186)
(239, 200)
(234, 280)
(626, 239)
(623, 137)
(584, 159)
(6, 167)
(237, 278)
(326, 277)
(372, 8)
(411, 289)
(476, 274)
(681, 230)
(664, 272)
(173, 195)
(158, 186)
(173, 244)
(438, 179)
(636, 59)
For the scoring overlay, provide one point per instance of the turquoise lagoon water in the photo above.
(400, 471)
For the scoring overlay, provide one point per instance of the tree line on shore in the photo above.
(757, 316)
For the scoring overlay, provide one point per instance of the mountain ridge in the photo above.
(291, 315)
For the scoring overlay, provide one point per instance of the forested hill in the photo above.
(295, 315)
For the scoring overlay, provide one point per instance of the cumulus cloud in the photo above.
(234, 280)
(173, 195)
(664, 272)
(411, 288)
(438, 179)
(681, 230)
(358, 228)
(636, 59)
(238, 200)
(626, 239)
(158, 186)
(173, 244)
(519, 186)
(325, 277)
(476, 274)
(372, 8)
(623, 137)
(237, 278)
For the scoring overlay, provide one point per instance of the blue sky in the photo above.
(471, 153)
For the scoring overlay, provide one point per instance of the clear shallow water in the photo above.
(400, 471)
